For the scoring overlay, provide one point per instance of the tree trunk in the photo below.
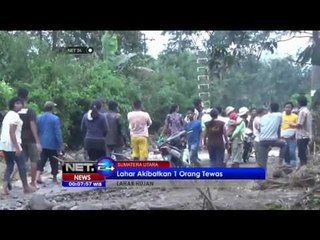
(315, 77)
(40, 35)
(315, 88)
(54, 39)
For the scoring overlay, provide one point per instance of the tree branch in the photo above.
(284, 40)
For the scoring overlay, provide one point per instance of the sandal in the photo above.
(40, 182)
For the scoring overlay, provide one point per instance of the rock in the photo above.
(165, 206)
(86, 206)
(139, 206)
(309, 182)
(59, 199)
(287, 170)
(124, 206)
(60, 207)
(38, 202)
(113, 206)
(277, 173)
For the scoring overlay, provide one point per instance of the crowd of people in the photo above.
(26, 136)
(221, 132)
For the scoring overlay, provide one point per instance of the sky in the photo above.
(284, 49)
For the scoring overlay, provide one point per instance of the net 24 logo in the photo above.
(106, 166)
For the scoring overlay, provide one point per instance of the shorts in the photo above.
(30, 151)
(139, 146)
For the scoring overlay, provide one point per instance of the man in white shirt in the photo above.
(10, 144)
(256, 133)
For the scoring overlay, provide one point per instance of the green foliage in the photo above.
(295, 96)
(73, 81)
(6, 92)
(109, 46)
(257, 83)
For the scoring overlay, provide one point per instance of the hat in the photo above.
(243, 111)
(49, 104)
(229, 110)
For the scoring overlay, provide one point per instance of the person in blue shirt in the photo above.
(194, 138)
(50, 136)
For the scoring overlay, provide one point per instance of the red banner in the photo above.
(82, 177)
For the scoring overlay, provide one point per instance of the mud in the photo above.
(245, 196)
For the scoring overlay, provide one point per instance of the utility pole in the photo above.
(144, 39)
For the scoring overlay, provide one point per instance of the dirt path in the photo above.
(241, 195)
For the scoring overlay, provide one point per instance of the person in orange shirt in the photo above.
(289, 133)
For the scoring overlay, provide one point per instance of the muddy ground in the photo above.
(244, 195)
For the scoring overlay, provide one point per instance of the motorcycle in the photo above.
(248, 145)
(174, 149)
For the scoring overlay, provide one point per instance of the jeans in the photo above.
(10, 158)
(256, 146)
(193, 149)
(216, 154)
(49, 154)
(94, 154)
(291, 150)
(264, 150)
(302, 150)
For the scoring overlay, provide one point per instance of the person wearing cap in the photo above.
(50, 136)
(237, 137)
(30, 141)
(232, 122)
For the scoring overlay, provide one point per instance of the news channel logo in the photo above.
(106, 166)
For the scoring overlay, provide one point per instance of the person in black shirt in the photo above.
(30, 141)
(115, 138)
(95, 128)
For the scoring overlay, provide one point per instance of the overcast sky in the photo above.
(284, 49)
